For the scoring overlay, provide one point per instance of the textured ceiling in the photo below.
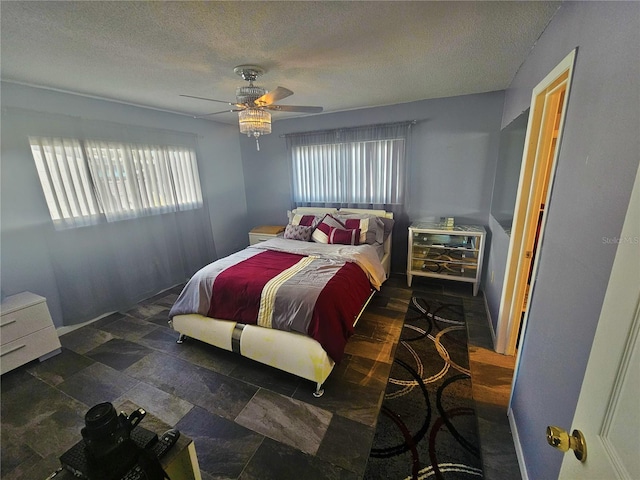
(339, 55)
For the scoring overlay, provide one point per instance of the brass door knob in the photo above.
(559, 438)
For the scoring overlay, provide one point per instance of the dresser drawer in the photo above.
(24, 321)
(27, 348)
(263, 233)
(259, 237)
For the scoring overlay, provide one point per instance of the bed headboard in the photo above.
(386, 260)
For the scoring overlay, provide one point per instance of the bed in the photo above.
(291, 302)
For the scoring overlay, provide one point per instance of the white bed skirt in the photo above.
(288, 351)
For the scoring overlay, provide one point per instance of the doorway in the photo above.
(542, 140)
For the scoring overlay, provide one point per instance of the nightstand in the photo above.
(27, 330)
(265, 232)
(445, 251)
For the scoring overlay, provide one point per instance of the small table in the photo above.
(265, 232)
(180, 462)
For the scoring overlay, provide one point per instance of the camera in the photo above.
(107, 437)
(114, 446)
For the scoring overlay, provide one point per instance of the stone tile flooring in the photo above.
(240, 414)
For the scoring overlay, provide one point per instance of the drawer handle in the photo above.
(8, 323)
(17, 347)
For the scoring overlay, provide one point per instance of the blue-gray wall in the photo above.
(495, 267)
(597, 164)
(26, 261)
(453, 154)
(452, 167)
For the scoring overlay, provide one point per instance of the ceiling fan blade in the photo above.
(273, 96)
(216, 113)
(208, 99)
(293, 108)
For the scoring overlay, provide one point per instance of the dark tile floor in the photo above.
(240, 414)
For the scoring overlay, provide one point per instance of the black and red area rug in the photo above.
(427, 427)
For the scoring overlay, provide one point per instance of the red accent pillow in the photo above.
(371, 227)
(321, 233)
(344, 237)
(306, 220)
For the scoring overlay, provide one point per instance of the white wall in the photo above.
(597, 164)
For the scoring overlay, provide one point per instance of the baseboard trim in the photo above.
(64, 329)
(486, 308)
(517, 445)
(70, 328)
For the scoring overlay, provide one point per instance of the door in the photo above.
(608, 410)
(544, 130)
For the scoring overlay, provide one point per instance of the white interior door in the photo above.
(608, 411)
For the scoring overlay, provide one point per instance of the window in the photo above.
(354, 166)
(86, 182)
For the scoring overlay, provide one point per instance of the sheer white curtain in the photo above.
(165, 234)
(363, 166)
(86, 181)
(137, 180)
(66, 181)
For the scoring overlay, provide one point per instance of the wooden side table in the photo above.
(265, 232)
(180, 463)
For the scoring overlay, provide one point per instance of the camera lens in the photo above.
(101, 420)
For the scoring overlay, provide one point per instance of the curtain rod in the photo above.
(316, 132)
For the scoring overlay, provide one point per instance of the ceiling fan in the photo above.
(254, 103)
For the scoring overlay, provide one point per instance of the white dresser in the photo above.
(26, 331)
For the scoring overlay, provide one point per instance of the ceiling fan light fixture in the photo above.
(256, 122)
(254, 103)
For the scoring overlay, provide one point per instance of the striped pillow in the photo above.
(322, 231)
(344, 237)
(371, 227)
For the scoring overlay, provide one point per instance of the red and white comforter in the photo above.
(305, 287)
